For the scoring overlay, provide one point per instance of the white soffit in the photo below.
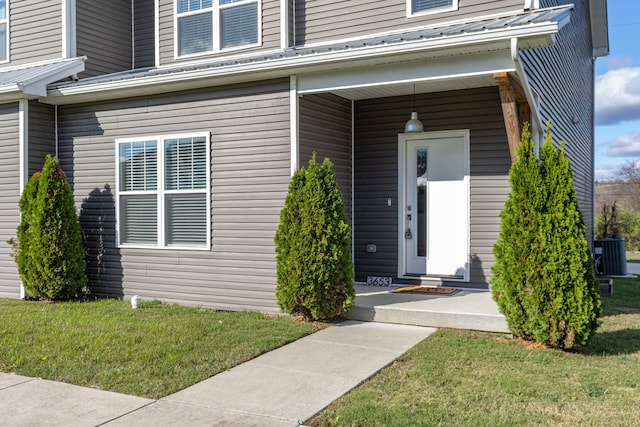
(432, 75)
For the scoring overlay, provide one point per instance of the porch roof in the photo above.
(532, 28)
(31, 81)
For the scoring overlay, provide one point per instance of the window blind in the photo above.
(138, 219)
(195, 33)
(420, 5)
(239, 25)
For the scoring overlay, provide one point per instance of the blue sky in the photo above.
(617, 139)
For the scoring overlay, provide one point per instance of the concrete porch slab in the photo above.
(466, 309)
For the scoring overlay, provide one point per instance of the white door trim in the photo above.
(402, 196)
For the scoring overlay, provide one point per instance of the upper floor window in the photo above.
(4, 33)
(430, 6)
(213, 25)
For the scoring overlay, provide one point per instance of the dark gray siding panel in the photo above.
(144, 34)
(377, 124)
(323, 20)
(325, 127)
(270, 33)
(562, 76)
(104, 35)
(250, 128)
(35, 28)
(9, 196)
(41, 134)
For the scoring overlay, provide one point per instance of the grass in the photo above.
(633, 256)
(151, 351)
(467, 378)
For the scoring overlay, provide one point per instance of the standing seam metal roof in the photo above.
(520, 19)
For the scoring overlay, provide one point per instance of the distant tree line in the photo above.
(618, 206)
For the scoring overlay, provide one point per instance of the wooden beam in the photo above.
(509, 111)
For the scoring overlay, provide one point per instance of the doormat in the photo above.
(427, 290)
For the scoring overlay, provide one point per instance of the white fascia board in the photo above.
(444, 68)
(283, 67)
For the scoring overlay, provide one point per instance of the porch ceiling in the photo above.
(402, 89)
(438, 72)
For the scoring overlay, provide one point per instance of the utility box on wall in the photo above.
(610, 257)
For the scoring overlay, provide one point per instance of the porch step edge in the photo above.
(435, 319)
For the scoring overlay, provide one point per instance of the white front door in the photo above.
(434, 204)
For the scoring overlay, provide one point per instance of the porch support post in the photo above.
(515, 109)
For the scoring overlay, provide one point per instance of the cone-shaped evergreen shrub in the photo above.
(543, 278)
(314, 266)
(50, 253)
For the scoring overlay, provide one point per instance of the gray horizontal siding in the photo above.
(35, 30)
(550, 70)
(378, 123)
(325, 128)
(144, 34)
(270, 32)
(250, 159)
(9, 196)
(322, 20)
(41, 134)
(103, 34)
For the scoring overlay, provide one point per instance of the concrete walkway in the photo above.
(284, 387)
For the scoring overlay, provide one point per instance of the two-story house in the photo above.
(179, 123)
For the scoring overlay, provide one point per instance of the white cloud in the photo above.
(605, 172)
(617, 96)
(627, 145)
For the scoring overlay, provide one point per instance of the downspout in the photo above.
(55, 124)
(536, 125)
(23, 136)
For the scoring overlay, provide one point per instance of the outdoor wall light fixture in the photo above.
(414, 125)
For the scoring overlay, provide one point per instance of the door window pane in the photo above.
(421, 199)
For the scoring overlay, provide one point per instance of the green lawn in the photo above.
(463, 378)
(633, 256)
(151, 351)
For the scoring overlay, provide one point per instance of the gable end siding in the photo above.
(144, 34)
(250, 160)
(35, 31)
(562, 76)
(104, 36)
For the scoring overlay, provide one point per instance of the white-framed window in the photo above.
(213, 25)
(424, 7)
(164, 191)
(4, 30)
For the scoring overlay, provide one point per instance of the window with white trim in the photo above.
(213, 25)
(419, 7)
(163, 191)
(4, 30)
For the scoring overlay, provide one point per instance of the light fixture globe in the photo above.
(414, 125)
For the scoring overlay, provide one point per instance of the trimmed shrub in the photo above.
(543, 278)
(314, 265)
(49, 251)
